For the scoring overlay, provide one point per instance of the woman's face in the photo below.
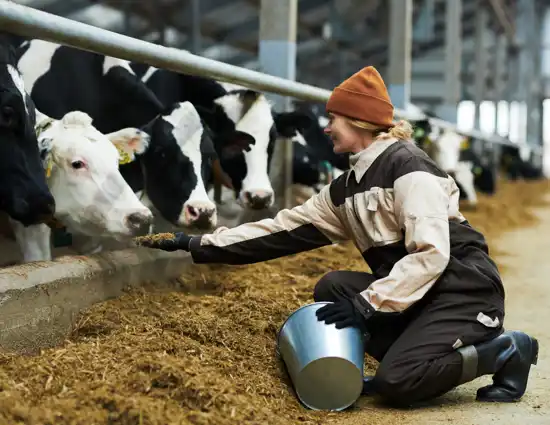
(345, 137)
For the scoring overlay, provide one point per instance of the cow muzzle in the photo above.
(139, 223)
(257, 199)
(201, 216)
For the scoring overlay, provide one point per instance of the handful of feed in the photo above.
(155, 237)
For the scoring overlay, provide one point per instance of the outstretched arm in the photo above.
(308, 226)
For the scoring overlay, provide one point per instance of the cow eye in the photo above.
(78, 165)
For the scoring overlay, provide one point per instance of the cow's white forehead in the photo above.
(84, 141)
(188, 127)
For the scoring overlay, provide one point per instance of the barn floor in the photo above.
(204, 354)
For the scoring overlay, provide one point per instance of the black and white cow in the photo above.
(314, 160)
(171, 172)
(227, 108)
(516, 167)
(446, 148)
(24, 193)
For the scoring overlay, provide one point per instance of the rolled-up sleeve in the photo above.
(308, 226)
(421, 203)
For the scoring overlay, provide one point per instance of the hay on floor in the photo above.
(170, 356)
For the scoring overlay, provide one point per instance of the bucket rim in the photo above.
(292, 314)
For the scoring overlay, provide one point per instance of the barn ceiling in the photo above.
(335, 37)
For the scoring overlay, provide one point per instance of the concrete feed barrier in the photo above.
(40, 301)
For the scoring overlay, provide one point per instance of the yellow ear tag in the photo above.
(465, 144)
(49, 166)
(125, 157)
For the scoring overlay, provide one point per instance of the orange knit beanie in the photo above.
(363, 96)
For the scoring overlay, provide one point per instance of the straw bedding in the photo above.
(200, 350)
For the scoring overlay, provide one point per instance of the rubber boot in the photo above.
(508, 358)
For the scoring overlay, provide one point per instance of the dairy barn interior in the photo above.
(95, 330)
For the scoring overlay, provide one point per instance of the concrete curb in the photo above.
(40, 301)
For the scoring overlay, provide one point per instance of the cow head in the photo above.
(82, 169)
(24, 194)
(288, 123)
(248, 112)
(175, 166)
(307, 168)
(320, 142)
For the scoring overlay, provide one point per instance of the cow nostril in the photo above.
(192, 211)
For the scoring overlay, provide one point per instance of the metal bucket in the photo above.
(325, 364)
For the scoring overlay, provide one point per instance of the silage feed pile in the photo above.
(204, 353)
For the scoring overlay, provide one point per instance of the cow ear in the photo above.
(234, 143)
(288, 122)
(129, 142)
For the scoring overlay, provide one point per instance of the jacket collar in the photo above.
(361, 161)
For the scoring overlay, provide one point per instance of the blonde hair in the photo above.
(403, 130)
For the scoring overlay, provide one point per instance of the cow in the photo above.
(445, 147)
(62, 79)
(316, 138)
(228, 108)
(516, 167)
(24, 193)
(92, 198)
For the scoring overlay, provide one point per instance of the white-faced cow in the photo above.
(24, 194)
(82, 169)
(63, 79)
(233, 113)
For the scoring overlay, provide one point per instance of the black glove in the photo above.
(343, 313)
(179, 241)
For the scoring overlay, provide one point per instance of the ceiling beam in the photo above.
(502, 14)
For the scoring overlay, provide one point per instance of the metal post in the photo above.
(423, 29)
(500, 73)
(278, 21)
(481, 59)
(196, 40)
(512, 84)
(399, 68)
(453, 61)
(529, 69)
